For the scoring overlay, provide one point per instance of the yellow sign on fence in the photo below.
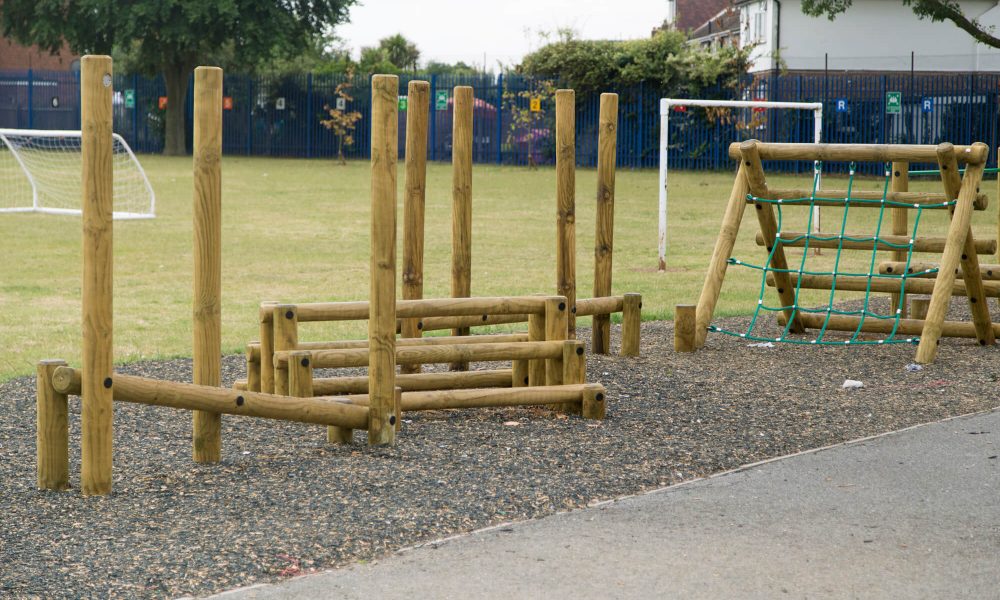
(536, 104)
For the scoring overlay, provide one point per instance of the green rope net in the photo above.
(867, 310)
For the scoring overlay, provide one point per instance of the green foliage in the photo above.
(394, 54)
(439, 68)
(664, 61)
(935, 10)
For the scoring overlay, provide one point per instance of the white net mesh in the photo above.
(41, 171)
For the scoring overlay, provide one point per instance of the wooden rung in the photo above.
(923, 199)
(860, 152)
(599, 306)
(414, 382)
(441, 323)
(432, 307)
(859, 283)
(489, 397)
(989, 272)
(253, 352)
(408, 355)
(920, 244)
(959, 329)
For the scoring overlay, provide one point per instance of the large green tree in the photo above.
(935, 10)
(173, 36)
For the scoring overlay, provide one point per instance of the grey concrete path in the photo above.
(913, 514)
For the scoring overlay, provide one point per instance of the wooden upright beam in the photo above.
(899, 182)
(98, 206)
(382, 321)
(461, 208)
(206, 438)
(52, 431)
(566, 203)
(607, 138)
(418, 94)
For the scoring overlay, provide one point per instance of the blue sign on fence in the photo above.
(841, 104)
(927, 104)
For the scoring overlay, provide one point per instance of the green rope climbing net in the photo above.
(867, 310)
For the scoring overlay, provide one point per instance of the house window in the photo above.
(758, 27)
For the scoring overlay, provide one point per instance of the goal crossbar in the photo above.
(63, 188)
(667, 103)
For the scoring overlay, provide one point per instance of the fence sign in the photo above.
(535, 104)
(402, 103)
(441, 100)
(341, 104)
(227, 103)
(841, 104)
(927, 104)
(129, 98)
(279, 104)
(893, 103)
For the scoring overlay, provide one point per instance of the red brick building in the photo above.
(16, 56)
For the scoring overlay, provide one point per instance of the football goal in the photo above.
(40, 171)
(754, 125)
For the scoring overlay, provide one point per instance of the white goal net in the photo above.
(41, 171)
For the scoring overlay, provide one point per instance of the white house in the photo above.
(872, 35)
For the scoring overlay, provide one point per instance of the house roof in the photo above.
(693, 14)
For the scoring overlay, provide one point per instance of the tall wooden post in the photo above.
(556, 329)
(607, 138)
(900, 182)
(52, 431)
(461, 208)
(98, 196)
(566, 203)
(382, 319)
(418, 94)
(206, 439)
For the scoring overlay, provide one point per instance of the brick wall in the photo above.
(16, 56)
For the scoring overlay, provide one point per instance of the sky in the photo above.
(497, 30)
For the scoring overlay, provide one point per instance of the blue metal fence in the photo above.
(280, 115)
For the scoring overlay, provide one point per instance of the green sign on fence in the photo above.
(402, 103)
(441, 100)
(129, 98)
(893, 103)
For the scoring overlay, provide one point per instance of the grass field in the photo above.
(298, 231)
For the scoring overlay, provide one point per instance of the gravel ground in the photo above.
(283, 503)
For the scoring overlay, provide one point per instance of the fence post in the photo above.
(434, 120)
(637, 152)
(135, 113)
(31, 97)
(249, 115)
(309, 114)
(968, 111)
(499, 118)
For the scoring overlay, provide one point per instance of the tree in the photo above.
(400, 51)
(173, 36)
(341, 122)
(935, 10)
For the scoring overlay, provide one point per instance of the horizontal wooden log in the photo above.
(958, 329)
(412, 382)
(924, 199)
(599, 306)
(485, 398)
(859, 152)
(432, 307)
(188, 396)
(921, 244)
(254, 349)
(989, 272)
(859, 283)
(411, 355)
(440, 323)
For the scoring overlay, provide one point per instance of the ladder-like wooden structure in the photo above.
(958, 249)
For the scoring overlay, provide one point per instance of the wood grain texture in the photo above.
(206, 438)
(566, 203)
(461, 207)
(899, 182)
(604, 228)
(98, 267)
(414, 201)
(860, 152)
(52, 430)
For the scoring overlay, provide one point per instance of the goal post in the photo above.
(40, 171)
(666, 104)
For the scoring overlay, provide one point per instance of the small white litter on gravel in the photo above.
(761, 345)
(914, 367)
(852, 384)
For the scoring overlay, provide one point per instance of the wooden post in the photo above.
(574, 371)
(98, 206)
(285, 322)
(536, 333)
(556, 329)
(418, 94)
(300, 375)
(253, 370)
(52, 431)
(720, 256)
(631, 319)
(206, 438)
(900, 182)
(605, 228)
(266, 320)
(566, 203)
(594, 405)
(461, 208)
(684, 316)
(918, 307)
(382, 297)
(519, 373)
